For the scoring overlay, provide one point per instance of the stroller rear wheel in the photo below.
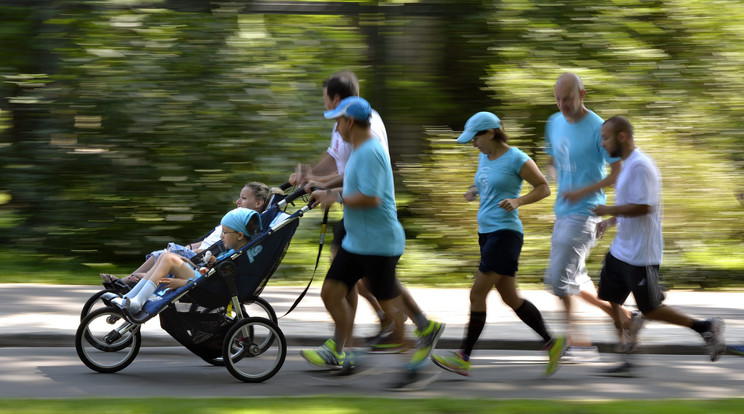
(254, 349)
(106, 342)
(259, 308)
(256, 307)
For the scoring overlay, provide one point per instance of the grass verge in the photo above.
(352, 405)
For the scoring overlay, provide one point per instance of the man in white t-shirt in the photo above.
(328, 172)
(632, 265)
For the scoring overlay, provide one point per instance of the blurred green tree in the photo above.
(126, 125)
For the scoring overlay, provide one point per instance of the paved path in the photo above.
(48, 315)
(496, 374)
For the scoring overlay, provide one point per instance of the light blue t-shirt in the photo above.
(579, 160)
(372, 231)
(498, 180)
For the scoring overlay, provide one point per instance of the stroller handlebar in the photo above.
(292, 197)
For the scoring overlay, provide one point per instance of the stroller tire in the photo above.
(96, 298)
(254, 349)
(256, 307)
(259, 307)
(106, 342)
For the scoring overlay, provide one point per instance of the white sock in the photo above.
(135, 290)
(145, 292)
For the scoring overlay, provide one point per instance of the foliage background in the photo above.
(127, 124)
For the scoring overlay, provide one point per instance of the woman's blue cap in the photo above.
(478, 122)
(353, 107)
(239, 218)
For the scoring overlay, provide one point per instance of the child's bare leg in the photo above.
(145, 266)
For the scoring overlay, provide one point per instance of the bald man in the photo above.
(574, 143)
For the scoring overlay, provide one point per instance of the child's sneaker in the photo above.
(324, 355)
(455, 362)
(556, 348)
(426, 343)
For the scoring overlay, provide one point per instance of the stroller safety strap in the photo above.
(321, 242)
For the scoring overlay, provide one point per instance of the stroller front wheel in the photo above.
(106, 342)
(95, 302)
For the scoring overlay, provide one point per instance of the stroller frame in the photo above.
(108, 339)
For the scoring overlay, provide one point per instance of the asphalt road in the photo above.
(57, 372)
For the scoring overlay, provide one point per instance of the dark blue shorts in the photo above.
(500, 251)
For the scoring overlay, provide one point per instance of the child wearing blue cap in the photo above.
(254, 195)
(239, 226)
(498, 182)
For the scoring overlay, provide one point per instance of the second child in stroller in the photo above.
(253, 195)
(239, 226)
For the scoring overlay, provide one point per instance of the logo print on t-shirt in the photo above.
(563, 158)
(482, 179)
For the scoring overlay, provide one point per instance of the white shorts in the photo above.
(572, 239)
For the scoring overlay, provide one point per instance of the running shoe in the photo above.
(387, 327)
(624, 369)
(737, 349)
(353, 368)
(455, 362)
(388, 345)
(580, 355)
(556, 348)
(715, 345)
(324, 355)
(427, 341)
(413, 380)
(636, 324)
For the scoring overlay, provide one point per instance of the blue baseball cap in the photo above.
(353, 107)
(478, 122)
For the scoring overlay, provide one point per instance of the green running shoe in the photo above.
(324, 355)
(454, 363)
(426, 343)
(556, 348)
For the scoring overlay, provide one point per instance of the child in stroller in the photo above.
(238, 228)
(254, 195)
(252, 349)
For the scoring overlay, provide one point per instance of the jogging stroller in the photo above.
(215, 324)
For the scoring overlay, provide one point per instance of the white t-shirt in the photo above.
(213, 238)
(340, 150)
(639, 241)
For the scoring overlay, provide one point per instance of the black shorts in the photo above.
(618, 279)
(379, 271)
(500, 251)
(339, 231)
